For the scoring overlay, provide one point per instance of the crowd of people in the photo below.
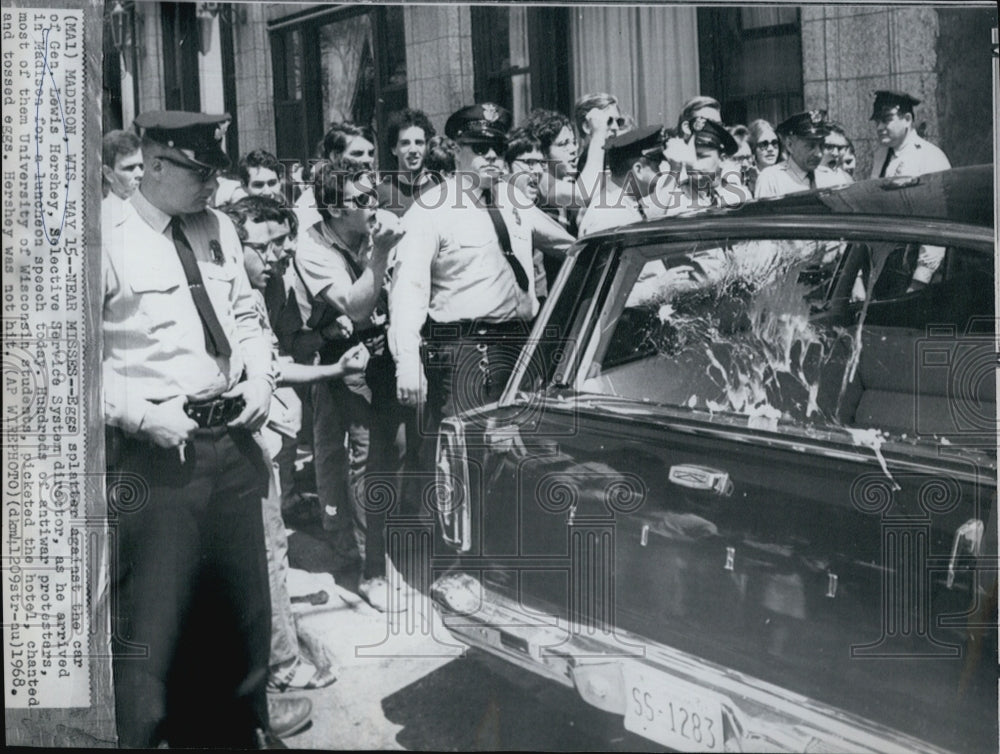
(250, 320)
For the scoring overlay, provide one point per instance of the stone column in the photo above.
(438, 59)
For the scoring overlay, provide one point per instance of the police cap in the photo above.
(646, 141)
(485, 122)
(196, 137)
(709, 133)
(811, 124)
(886, 101)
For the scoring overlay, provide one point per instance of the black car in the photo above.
(741, 489)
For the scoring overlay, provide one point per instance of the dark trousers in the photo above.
(467, 364)
(190, 601)
(364, 408)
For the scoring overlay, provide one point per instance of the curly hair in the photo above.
(258, 158)
(441, 156)
(408, 118)
(546, 125)
(520, 141)
(260, 209)
(330, 179)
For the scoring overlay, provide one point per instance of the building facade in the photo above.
(286, 70)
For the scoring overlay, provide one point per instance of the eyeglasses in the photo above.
(768, 144)
(482, 148)
(619, 121)
(204, 173)
(275, 245)
(532, 163)
(361, 201)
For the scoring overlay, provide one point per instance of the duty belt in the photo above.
(473, 328)
(216, 412)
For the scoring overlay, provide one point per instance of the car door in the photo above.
(793, 467)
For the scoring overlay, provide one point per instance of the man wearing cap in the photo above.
(701, 173)
(463, 283)
(802, 137)
(901, 151)
(187, 379)
(633, 160)
(690, 178)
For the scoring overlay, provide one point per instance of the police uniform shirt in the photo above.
(610, 208)
(450, 267)
(154, 343)
(787, 178)
(915, 156)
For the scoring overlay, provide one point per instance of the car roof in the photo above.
(960, 195)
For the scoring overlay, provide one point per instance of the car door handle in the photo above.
(968, 536)
(697, 477)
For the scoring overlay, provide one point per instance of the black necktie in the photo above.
(885, 165)
(215, 338)
(811, 176)
(504, 238)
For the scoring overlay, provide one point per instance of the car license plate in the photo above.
(670, 712)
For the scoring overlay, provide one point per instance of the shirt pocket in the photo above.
(156, 293)
(220, 282)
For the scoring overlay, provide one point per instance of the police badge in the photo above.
(217, 256)
(490, 112)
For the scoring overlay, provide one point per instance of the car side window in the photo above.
(774, 331)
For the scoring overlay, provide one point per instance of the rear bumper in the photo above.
(757, 716)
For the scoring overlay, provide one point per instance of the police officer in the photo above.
(701, 172)
(901, 152)
(188, 378)
(463, 282)
(634, 160)
(802, 138)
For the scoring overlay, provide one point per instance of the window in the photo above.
(521, 58)
(817, 333)
(346, 64)
(180, 56)
(751, 61)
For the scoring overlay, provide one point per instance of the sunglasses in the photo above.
(204, 174)
(768, 144)
(619, 121)
(482, 148)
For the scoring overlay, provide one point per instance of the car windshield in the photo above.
(890, 338)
